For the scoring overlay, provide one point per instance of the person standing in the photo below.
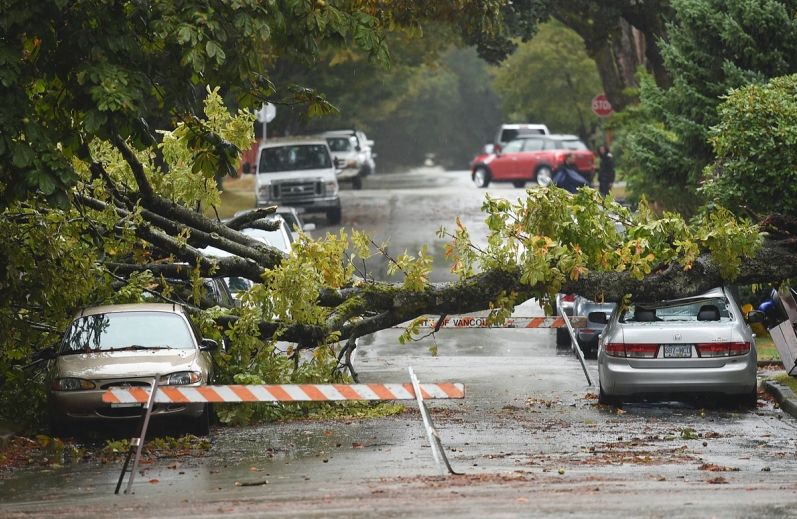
(606, 170)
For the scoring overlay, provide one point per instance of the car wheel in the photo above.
(481, 177)
(605, 399)
(519, 183)
(200, 426)
(562, 336)
(751, 399)
(543, 176)
(60, 429)
(357, 182)
(334, 216)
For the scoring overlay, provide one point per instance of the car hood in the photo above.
(300, 174)
(126, 364)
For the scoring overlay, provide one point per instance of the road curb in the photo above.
(784, 395)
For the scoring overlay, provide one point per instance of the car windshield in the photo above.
(127, 330)
(276, 239)
(573, 145)
(340, 143)
(294, 158)
(712, 309)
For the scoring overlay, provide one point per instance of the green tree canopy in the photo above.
(711, 47)
(755, 144)
(550, 79)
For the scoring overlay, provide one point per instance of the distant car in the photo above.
(354, 154)
(532, 159)
(510, 132)
(698, 344)
(597, 315)
(298, 172)
(121, 346)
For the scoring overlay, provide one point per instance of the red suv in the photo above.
(531, 158)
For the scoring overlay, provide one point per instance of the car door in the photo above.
(529, 157)
(504, 166)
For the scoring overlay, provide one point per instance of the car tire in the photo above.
(751, 399)
(543, 176)
(357, 182)
(605, 399)
(481, 177)
(562, 336)
(519, 183)
(200, 426)
(60, 429)
(334, 216)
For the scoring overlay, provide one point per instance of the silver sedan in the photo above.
(693, 345)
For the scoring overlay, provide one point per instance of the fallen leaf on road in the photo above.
(356, 445)
(710, 467)
(154, 481)
(719, 480)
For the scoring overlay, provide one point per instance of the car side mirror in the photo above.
(489, 149)
(246, 168)
(754, 316)
(597, 317)
(339, 163)
(308, 227)
(208, 345)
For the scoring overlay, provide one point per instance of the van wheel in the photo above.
(543, 176)
(357, 182)
(481, 177)
(334, 216)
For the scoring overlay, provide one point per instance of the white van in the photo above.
(509, 132)
(298, 172)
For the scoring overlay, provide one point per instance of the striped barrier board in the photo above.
(469, 321)
(281, 393)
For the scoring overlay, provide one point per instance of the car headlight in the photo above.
(72, 384)
(181, 378)
(331, 187)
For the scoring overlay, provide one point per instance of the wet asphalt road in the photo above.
(529, 437)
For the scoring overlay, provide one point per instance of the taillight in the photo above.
(632, 351)
(722, 349)
(641, 351)
(569, 298)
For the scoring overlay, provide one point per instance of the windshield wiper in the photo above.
(136, 347)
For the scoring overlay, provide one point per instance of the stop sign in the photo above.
(601, 106)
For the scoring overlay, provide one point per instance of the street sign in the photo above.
(267, 113)
(601, 106)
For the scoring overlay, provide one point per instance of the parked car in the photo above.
(298, 172)
(698, 344)
(531, 159)
(126, 346)
(353, 155)
(597, 315)
(281, 239)
(510, 132)
(294, 221)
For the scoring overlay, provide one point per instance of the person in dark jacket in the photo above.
(606, 170)
(567, 176)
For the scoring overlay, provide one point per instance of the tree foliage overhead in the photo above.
(557, 82)
(712, 46)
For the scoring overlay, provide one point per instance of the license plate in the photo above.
(130, 404)
(677, 351)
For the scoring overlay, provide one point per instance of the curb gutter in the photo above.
(784, 395)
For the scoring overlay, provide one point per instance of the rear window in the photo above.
(294, 158)
(713, 309)
(511, 134)
(119, 330)
(340, 143)
(573, 145)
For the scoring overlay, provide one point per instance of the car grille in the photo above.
(125, 383)
(296, 190)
